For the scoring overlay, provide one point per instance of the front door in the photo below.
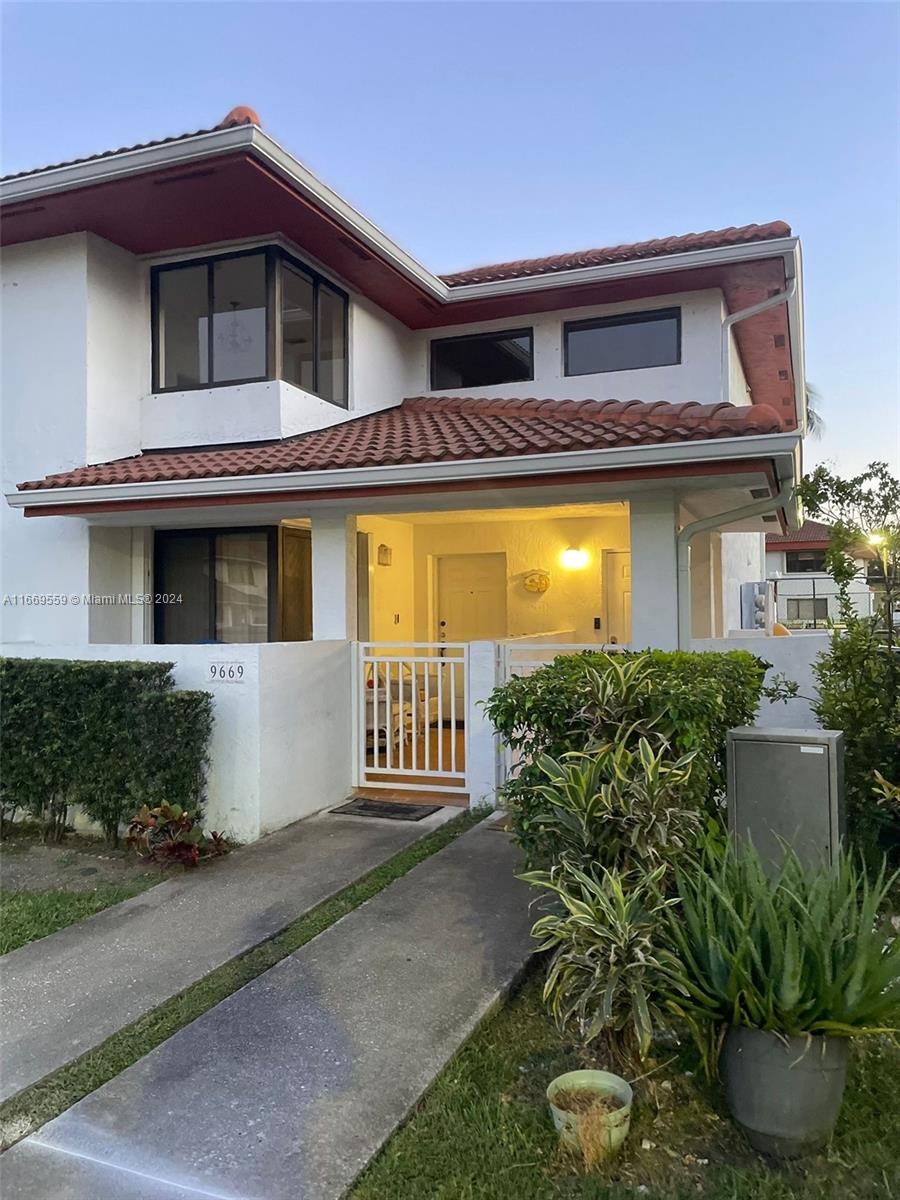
(471, 597)
(617, 585)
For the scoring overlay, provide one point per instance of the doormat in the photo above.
(387, 809)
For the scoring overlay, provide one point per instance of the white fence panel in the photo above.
(410, 701)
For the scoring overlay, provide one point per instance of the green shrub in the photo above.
(620, 809)
(607, 971)
(858, 681)
(579, 701)
(102, 735)
(178, 726)
(808, 951)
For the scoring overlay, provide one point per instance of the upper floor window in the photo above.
(482, 359)
(253, 315)
(804, 562)
(624, 342)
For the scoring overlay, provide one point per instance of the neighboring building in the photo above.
(223, 384)
(806, 596)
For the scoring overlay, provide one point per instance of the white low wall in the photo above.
(305, 714)
(791, 656)
(280, 747)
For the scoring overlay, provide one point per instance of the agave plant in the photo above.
(807, 952)
(607, 968)
(619, 808)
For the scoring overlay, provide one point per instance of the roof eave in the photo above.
(779, 447)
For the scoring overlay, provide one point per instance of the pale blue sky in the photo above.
(477, 132)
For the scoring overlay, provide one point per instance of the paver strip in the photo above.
(286, 1090)
(67, 993)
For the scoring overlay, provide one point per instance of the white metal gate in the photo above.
(410, 703)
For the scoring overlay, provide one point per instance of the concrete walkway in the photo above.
(289, 1087)
(67, 993)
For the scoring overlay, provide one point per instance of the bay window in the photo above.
(248, 316)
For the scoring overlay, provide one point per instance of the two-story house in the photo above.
(806, 595)
(241, 423)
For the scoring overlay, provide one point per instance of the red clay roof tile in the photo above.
(712, 239)
(810, 533)
(431, 429)
(241, 115)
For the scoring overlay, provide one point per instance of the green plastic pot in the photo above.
(613, 1127)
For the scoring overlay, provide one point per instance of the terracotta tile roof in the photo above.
(241, 115)
(656, 248)
(809, 533)
(440, 429)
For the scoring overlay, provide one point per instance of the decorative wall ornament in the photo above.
(536, 581)
(385, 555)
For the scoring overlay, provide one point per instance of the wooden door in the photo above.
(295, 584)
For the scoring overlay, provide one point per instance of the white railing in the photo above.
(520, 657)
(410, 701)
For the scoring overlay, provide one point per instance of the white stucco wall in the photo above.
(391, 592)
(792, 657)
(118, 350)
(248, 412)
(743, 561)
(44, 426)
(305, 729)
(382, 362)
(696, 377)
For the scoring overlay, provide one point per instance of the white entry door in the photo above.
(617, 586)
(471, 597)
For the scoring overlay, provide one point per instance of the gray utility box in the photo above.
(787, 786)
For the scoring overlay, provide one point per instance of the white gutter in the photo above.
(741, 315)
(781, 445)
(716, 521)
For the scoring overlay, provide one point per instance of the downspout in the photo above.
(716, 521)
(741, 315)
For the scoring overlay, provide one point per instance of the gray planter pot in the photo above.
(784, 1094)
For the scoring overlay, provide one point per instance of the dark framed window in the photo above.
(248, 316)
(482, 359)
(807, 610)
(625, 342)
(804, 562)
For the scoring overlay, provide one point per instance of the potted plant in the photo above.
(604, 981)
(774, 977)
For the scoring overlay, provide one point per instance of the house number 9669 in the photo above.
(226, 672)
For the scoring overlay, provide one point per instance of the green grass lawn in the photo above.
(27, 916)
(483, 1131)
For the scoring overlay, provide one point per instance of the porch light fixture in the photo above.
(574, 559)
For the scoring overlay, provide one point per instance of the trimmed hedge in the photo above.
(694, 698)
(107, 736)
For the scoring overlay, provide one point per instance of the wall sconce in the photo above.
(574, 559)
